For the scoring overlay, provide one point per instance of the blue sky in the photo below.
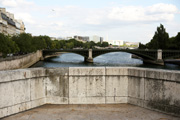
(128, 20)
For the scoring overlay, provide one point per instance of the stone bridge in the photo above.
(148, 56)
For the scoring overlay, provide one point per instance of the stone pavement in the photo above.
(91, 112)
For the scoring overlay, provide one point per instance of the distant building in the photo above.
(132, 44)
(9, 25)
(116, 42)
(82, 38)
(96, 39)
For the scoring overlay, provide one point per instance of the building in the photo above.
(96, 39)
(9, 25)
(82, 38)
(132, 44)
(116, 42)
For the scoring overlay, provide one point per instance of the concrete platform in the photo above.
(91, 112)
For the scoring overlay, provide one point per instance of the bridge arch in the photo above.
(150, 56)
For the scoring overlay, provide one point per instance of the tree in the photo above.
(160, 39)
(70, 45)
(177, 41)
(38, 43)
(7, 45)
(24, 42)
(105, 44)
(142, 46)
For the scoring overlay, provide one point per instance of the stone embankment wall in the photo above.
(24, 89)
(18, 62)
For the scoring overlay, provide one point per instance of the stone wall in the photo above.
(155, 89)
(24, 89)
(18, 62)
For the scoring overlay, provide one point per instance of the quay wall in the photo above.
(18, 62)
(154, 89)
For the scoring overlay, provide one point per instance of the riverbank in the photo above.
(18, 62)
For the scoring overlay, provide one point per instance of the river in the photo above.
(115, 59)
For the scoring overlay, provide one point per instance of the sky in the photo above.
(128, 20)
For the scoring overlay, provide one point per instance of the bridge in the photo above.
(148, 56)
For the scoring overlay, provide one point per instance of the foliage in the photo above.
(161, 40)
(7, 45)
(26, 43)
(142, 46)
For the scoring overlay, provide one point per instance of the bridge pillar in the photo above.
(159, 57)
(90, 58)
(159, 54)
(158, 61)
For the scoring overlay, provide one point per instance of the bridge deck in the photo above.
(91, 112)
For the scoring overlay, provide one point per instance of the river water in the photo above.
(115, 59)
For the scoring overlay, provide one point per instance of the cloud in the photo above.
(26, 17)
(59, 20)
(162, 8)
(15, 3)
(155, 13)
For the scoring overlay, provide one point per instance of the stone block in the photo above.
(10, 75)
(116, 71)
(21, 91)
(78, 86)
(64, 86)
(57, 100)
(1, 113)
(87, 100)
(137, 72)
(153, 89)
(52, 86)
(136, 101)
(57, 86)
(177, 76)
(115, 100)
(6, 94)
(4, 112)
(95, 86)
(57, 71)
(176, 95)
(81, 71)
(37, 88)
(117, 86)
(136, 87)
(38, 102)
(169, 92)
(37, 72)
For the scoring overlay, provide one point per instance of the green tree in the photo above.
(160, 39)
(177, 41)
(105, 44)
(70, 45)
(24, 42)
(7, 45)
(142, 46)
(39, 43)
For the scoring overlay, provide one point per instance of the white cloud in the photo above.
(116, 20)
(158, 12)
(162, 8)
(128, 13)
(8, 3)
(15, 3)
(26, 17)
